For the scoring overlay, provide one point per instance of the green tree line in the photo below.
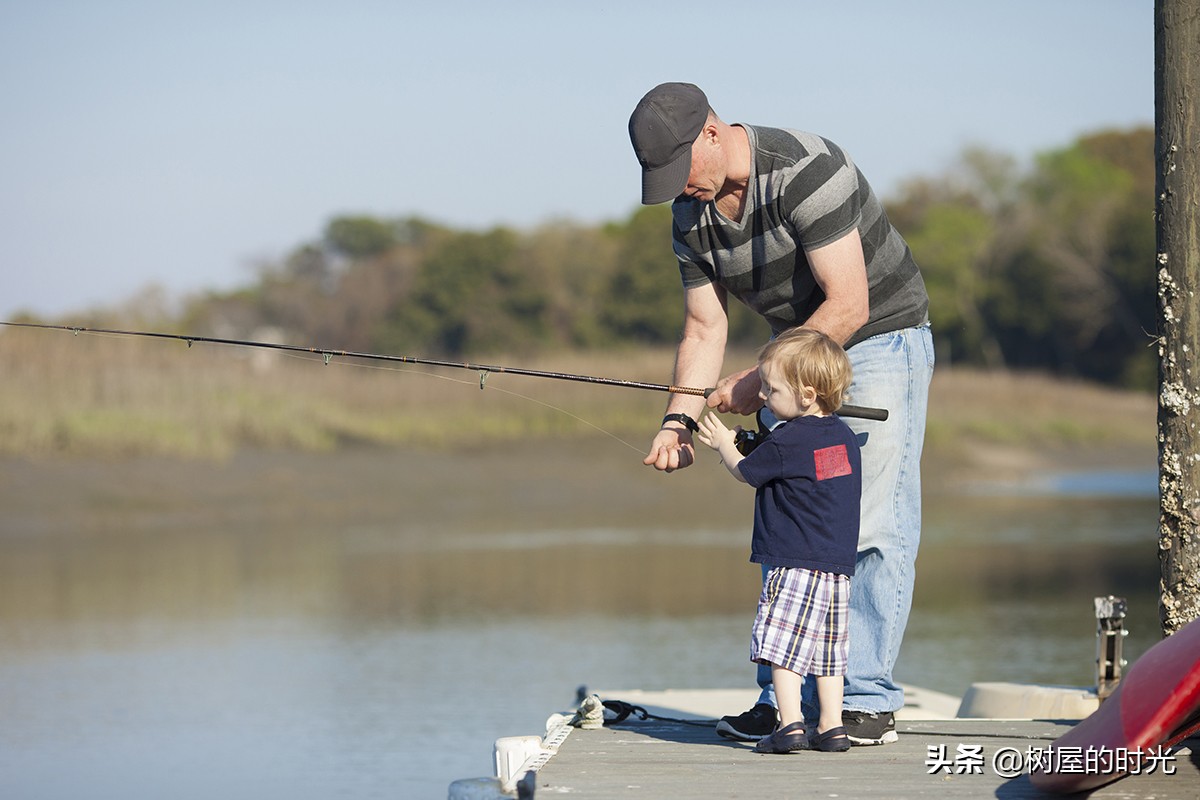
(1047, 266)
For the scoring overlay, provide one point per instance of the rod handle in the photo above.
(858, 412)
(863, 412)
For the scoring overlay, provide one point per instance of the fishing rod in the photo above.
(861, 412)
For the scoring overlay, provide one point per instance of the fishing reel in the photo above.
(745, 441)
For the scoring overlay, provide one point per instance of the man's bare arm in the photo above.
(841, 273)
(698, 362)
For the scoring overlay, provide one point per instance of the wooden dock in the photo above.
(957, 758)
(669, 749)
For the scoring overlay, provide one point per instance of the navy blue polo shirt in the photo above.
(808, 477)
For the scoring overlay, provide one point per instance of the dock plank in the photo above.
(671, 759)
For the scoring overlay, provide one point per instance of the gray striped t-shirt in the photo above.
(804, 193)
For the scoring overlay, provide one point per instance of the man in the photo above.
(785, 222)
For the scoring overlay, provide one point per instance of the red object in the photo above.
(832, 462)
(1156, 705)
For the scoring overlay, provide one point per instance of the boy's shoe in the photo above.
(833, 740)
(749, 726)
(866, 729)
(791, 739)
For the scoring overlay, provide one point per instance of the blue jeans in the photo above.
(892, 371)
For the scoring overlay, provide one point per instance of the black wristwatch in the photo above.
(687, 421)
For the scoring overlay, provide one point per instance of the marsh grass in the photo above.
(94, 395)
(969, 407)
(97, 395)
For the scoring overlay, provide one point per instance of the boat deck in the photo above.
(960, 758)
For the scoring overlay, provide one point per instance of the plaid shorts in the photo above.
(802, 621)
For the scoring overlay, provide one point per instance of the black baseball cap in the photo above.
(662, 128)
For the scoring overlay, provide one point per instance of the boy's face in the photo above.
(779, 398)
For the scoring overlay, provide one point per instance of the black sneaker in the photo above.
(751, 726)
(865, 729)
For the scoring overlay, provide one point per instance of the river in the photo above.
(364, 624)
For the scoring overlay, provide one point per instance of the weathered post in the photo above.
(1177, 190)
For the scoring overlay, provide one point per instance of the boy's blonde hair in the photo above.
(806, 357)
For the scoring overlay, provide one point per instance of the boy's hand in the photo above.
(714, 433)
(720, 438)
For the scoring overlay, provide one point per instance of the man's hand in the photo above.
(737, 393)
(671, 450)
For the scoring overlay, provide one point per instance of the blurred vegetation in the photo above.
(1047, 268)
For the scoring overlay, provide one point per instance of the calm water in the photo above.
(366, 624)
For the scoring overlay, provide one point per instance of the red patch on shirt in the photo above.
(832, 462)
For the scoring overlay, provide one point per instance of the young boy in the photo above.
(808, 480)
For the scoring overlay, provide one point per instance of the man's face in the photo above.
(708, 167)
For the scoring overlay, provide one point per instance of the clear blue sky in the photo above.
(182, 143)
